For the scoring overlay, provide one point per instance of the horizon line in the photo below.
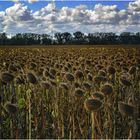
(71, 0)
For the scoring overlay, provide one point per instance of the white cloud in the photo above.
(16, 1)
(32, 1)
(134, 6)
(2, 14)
(107, 18)
(104, 14)
(17, 18)
(18, 12)
(99, 7)
(49, 8)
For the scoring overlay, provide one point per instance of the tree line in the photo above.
(77, 38)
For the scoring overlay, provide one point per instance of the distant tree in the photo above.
(137, 38)
(127, 38)
(46, 39)
(66, 37)
(59, 38)
(79, 38)
(78, 35)
(93, 38)
(3, 38)
(108, 38)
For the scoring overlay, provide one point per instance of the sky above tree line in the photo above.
(44, 16)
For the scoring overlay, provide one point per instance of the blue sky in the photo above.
(88, 16)
(90, 4)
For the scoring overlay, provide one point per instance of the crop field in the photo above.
(70, 93)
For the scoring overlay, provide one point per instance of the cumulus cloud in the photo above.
(2, 14)
(107, 18)
(16, 1)
(16, 18)
(18, 12)
(49, 8)
(32, 1)
(134, 6)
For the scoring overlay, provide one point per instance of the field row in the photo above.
(70, 93)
